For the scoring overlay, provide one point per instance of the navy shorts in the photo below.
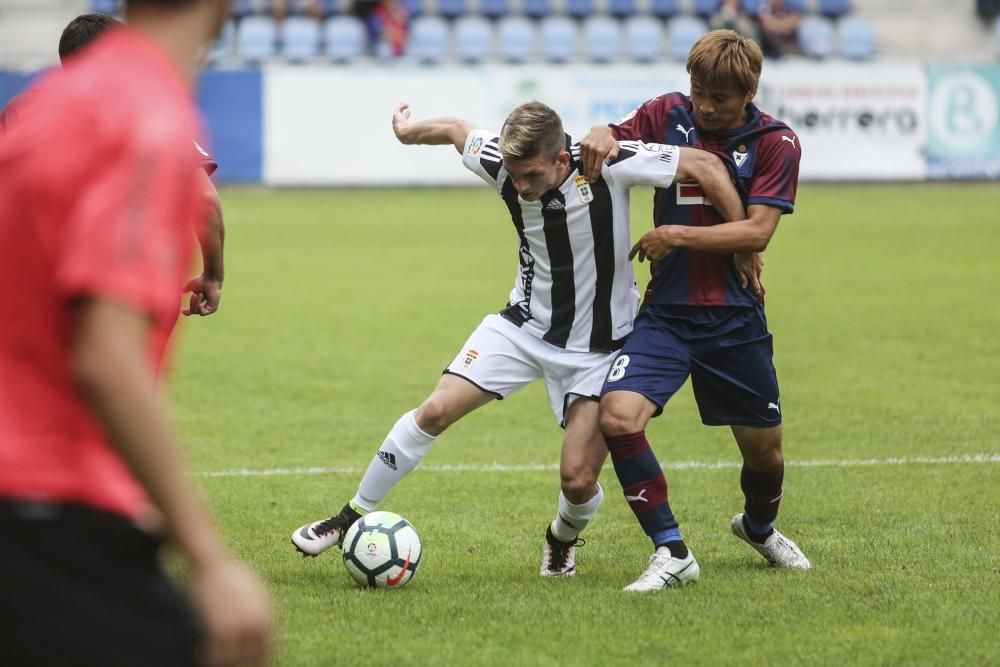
(727, 351)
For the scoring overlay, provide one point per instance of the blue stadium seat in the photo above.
(579, 9)
(105, 6)
(754, 7)
(664, 9)
(451, 9)
(256, 38)
(241, 8)
(558, 39)
(682, 33)
(428, 42)
(705, 8)
(601, 39)
(536, 9)
(621, 8)
(299, 38)
(223, 47)
(856, 38)
(517, 37)
(834, 8)
(344, 38)
(494, 9)
(643, 38)
(414, 7)
(816, 37)
(473, 39)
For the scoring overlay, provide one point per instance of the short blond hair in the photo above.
(725, 58)
(530, 130)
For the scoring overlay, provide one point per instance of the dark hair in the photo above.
(81, 31)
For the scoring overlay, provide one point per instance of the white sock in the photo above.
(400, 453)
(572, 519)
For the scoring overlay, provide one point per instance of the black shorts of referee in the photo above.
(82, 587)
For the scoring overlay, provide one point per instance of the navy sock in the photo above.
(644, 485)
(762, 490)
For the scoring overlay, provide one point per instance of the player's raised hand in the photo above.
(598, 147)
(654, 245)
(401, 123)
(205, 295)
(235, 614)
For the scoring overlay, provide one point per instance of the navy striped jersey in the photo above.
(764, 154)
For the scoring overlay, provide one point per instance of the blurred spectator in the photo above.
(281, 8)
(731, 16)
(779, 25)
(388, 28)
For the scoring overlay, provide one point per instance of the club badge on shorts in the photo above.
(583, 188)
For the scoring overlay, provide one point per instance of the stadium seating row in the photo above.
(515, 39)
(537, 9)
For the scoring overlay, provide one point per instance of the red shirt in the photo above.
(97, 197)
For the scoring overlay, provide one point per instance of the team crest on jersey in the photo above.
(739, 158)
(583, 189)
(470, 356)
(691, 194)
(475, 146)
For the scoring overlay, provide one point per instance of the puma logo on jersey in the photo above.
(680, 128)
(774, 406)
(639, 498)
(789, 139)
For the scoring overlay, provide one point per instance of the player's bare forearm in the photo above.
(433, 131)
(711, 174)
(115, 378)
(213, 237)
(750, 235)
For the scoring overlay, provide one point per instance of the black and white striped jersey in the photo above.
(574, 286)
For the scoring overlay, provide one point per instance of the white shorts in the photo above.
(501, 358)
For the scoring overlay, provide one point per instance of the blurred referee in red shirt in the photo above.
(97, 199)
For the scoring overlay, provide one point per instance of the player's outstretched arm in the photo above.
(206, 289)
(433, 131)
(110, 367)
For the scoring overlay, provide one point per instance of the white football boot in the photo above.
(665, 571)
(777, 549)
(314, 538)
(559, 558)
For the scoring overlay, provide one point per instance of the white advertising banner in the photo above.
(331, 126)
(856, 121)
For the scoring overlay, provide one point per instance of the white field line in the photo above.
(675, 465)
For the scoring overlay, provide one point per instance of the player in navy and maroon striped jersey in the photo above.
(699, 317)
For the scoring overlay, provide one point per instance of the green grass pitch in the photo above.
(342, 307)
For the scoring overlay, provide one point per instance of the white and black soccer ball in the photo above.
(382, 550)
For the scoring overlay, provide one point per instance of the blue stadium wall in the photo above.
(316, 125)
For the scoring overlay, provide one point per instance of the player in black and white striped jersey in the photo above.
(571, 306)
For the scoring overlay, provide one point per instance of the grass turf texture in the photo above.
(342, 307)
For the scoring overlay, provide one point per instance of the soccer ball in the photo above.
(382, 550)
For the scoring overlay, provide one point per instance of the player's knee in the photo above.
(615, 422)
(434, 415)
(579, 484)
